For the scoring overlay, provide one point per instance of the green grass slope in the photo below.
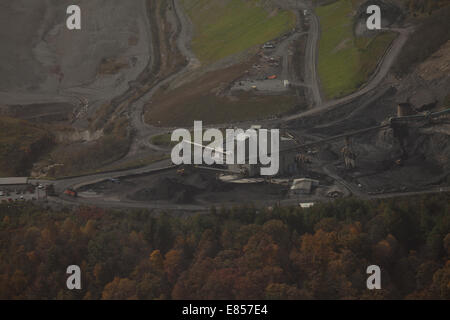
(226, 27)
(345, 61)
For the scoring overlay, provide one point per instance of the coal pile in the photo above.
(168, 189)
(206, 182)
(180, 189)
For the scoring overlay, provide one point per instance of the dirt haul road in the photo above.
(144, 131)
(311, 74)
(380, 73)
(305, 11)
(62, 184)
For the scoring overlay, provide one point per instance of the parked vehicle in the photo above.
(71, 193)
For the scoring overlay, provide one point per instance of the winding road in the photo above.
(144, 131)
(380, 73)
(311, 74)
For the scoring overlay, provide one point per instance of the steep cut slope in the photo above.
(21, 143)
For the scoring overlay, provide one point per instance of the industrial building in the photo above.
(405, 109)
(14, 184)
(303, 186)
(288, 164)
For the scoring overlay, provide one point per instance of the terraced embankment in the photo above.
(345, 60)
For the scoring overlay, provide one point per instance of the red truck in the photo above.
(71, 193)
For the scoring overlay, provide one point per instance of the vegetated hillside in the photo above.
(226, 27)
(346, 59)
(431, 33)
(424, 7)
(21, 143)
(71, 159)
(241, 253)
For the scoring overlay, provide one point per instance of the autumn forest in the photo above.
(237, 253)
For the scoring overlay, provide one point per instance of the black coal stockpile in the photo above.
(168, 189)
(178, 189)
